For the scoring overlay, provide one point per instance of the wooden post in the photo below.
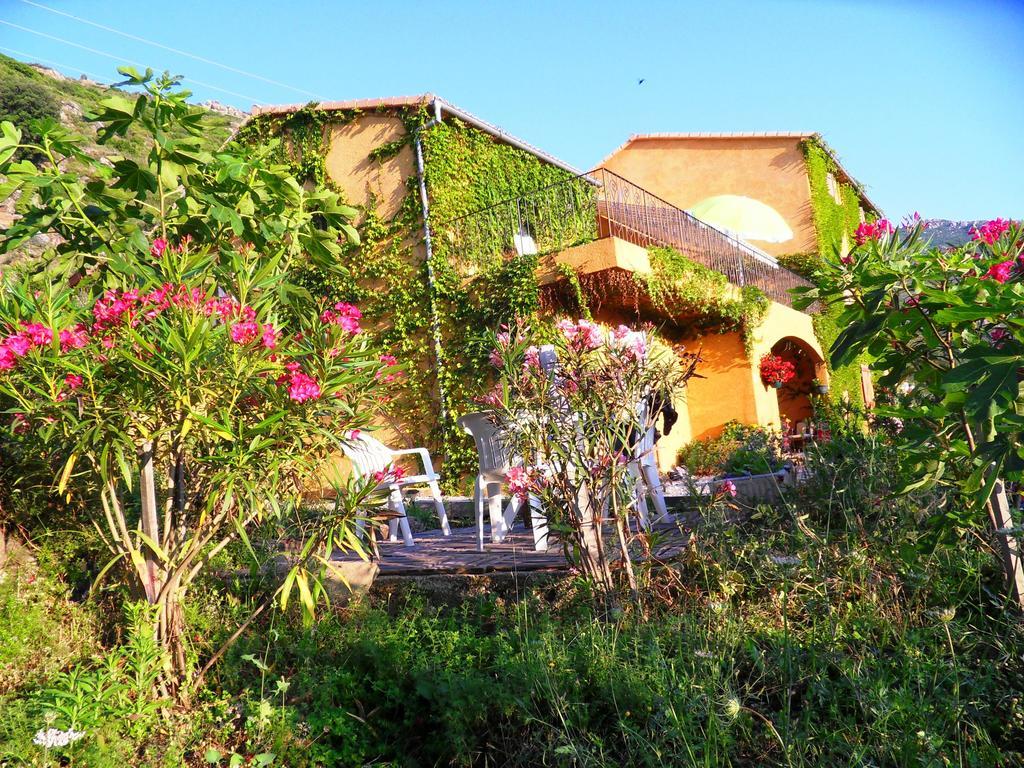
(1008, 541)
(150, 522)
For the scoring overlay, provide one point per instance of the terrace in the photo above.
(557, 220)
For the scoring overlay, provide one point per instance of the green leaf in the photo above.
(213, 756)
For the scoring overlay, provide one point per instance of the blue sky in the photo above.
(922, 100)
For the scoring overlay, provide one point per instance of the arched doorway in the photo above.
(795, 395)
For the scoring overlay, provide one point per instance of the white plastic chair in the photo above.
(493, 471)
(369, 456)
(644, 467)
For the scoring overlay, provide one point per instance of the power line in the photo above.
(172, 50)
(32, 57)
(122, 60)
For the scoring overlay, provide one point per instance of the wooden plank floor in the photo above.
(435, 553)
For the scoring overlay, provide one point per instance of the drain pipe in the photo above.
(435, 319)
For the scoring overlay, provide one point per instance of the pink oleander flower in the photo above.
(998, 336)
(582, 334)
(633, 343)
(846, 260)
(74, 338)
(531, 359)
(7, 358)
(520, 482)
(1000, 272)
(728, 487)
(389, 360)
(872, 230)
(107, 342)
(493, 398)
(245, 331)
(496, 359)
(302, 388)
(19, 344)
(39, 334)
(344, 315)
(73, 381)
(912, 220)
(20, 423)
(269, 337)
(157, 249)
(990, 231)
(390, 474)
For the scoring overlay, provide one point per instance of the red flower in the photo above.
(73, 381)
(269, 336)
(74, 338)
(302, 388)
(19, 344)
(872, 230)
(990, 231)
(245, 331)
(775, 370)
(158, 248)
(1000, 272)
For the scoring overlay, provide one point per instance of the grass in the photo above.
(830, 631)
(767, 644)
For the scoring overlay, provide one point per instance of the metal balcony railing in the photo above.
(603, 204)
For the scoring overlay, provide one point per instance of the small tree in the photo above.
(945, 326)
(190, 389)
(576, 422)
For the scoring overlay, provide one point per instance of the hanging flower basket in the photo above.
(775, 371)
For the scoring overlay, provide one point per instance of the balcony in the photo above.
(599, 205)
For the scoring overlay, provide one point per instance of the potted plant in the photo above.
(818, 388)
(775, 371)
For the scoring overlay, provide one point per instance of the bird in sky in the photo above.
(641, 81)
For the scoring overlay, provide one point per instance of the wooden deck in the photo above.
(435, 553)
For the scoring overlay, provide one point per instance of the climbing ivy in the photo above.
(679, 285)
(834, 222)
(467, 171)
(299, 137)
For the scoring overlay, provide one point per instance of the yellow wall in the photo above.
(686, 171)
(357, 175)
(731, 388)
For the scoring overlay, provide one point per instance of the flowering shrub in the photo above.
(183, 386)
(578, 425)
(775, 371)
(944, 326)
(872, 230)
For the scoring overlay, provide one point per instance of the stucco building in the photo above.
(464, 227)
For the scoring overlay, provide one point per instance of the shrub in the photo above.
(184, 387)
(740, 450)
(945, 325)
(23, 100)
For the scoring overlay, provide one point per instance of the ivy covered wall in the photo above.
(386, 273)
(835, 223)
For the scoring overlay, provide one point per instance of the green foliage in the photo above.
(937, 322)
(834, 224)
(41, 629)
(684, 287)
(298, 139)
(184, 346)
(827, 642)
(22, 100)
(741, 449)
